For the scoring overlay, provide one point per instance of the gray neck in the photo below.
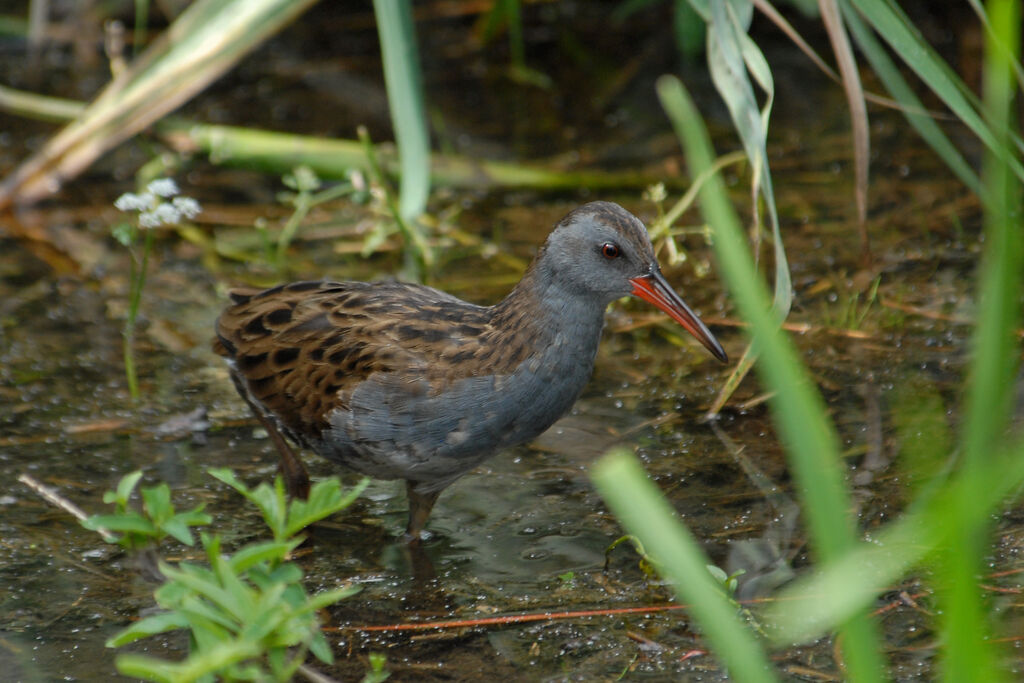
(543, 308)
(562, 327)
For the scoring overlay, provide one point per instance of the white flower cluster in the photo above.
(153, 210)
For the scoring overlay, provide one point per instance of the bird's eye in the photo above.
(610, 251)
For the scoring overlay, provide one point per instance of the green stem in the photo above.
(417, 251)
(141, 22)
(303, 204)
(138, 279)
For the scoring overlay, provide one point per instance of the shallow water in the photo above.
(525, 533)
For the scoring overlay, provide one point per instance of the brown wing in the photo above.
(301, 349)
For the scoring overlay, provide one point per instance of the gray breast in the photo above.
(395, 427)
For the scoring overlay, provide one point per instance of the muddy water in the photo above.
(525, 533)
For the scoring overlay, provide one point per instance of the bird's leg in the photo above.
(420, 505)
(296, 479)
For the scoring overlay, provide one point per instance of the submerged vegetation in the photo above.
(249, 615)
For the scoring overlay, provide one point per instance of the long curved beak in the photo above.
(654, 289)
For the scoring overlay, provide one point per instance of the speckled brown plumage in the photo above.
(405, 381)
(301, 348)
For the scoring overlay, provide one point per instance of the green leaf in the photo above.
(128, 522)
(253, 554)
(288, 573)
(125, 488)
(302, 179)
(377, 673)
(178, 525)
(150, 626)
(209, 623)
(273, 505)
(228, 477)
(211, 590)
(156, 502)
(320, 648)
(325, 498)
(195, 667)
(911, 106)
(240, 596)
(732, 55)
(123, 233)
(148, 668)
(329, 597)
(267, 613)
(270, 501)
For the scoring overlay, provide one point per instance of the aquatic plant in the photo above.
(141, 531)
(157, 206)
(247, 614)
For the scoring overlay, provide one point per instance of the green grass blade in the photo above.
(802, 419)
(797, 408)
(732, 59)
(995, 346)
(405, 99)
(638, 503)
(840, 589)
(897, 30)
(965, 622)
(912, 107)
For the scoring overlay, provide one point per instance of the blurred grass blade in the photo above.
(995, 358)
(833, 20)
(995, 347)
(405, 100)
(910, 105)
(813, 605)
(797, 409)
(202, 43)
(640, 506)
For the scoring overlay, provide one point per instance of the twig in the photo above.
(314, 675)
(51, 496)
(510, 619)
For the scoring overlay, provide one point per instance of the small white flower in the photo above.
(163, 187)
(149, 219)
(168, 214)
(130, 201)
(163, 214)
(188, 207)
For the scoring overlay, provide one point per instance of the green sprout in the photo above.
(156, 521)
(248, 615)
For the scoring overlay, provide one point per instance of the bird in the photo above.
(404, 381)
